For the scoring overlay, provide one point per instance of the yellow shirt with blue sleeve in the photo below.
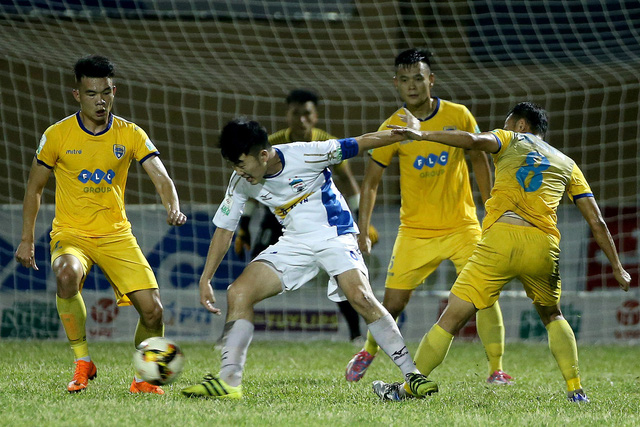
(531, 177)
(91, 172)
(435, 188)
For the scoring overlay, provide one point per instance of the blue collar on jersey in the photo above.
(435, 110)
(279, 153)
(88, 131)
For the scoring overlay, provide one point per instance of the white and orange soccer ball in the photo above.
(158, 360)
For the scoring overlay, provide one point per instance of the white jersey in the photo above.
(302, 195)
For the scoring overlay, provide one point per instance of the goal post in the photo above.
(186, 67)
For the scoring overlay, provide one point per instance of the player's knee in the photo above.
(238, 296)
(68, 280)
(151, 317)
(362, 300)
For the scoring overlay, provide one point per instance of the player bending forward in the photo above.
(295, 182)
(520, 238)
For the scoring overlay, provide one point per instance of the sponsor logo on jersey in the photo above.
(43, 141)
(118, 150)
(431, 160)
(73, 152)
(150, 145)
(227, 203)
(96, 177)
(449, 128)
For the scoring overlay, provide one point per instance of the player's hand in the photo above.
(623, 278)
(206, 297)
(412, 129)
(373, 235)
(408, 133)
(411, 120)
(364, 242)
(25, 255)
(242, 242)
(176, 218)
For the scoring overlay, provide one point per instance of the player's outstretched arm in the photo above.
(166, 189)
(38, 177)
(220, 244)
(591, 213)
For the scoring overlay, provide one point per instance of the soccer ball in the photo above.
(158, 360)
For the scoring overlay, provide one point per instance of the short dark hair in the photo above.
(535, 115)
(93, 66)
(242, 136)
(302, 96)
(413, 56)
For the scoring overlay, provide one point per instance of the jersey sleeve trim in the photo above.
(145, 158)
(349, 147)
(580, 196)
(43, 164)
(499, 144)
(377, 162)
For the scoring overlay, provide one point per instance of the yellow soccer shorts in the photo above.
(119, 257)
(414, 259)
(506, 252)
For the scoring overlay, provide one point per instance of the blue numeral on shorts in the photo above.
(536, 163)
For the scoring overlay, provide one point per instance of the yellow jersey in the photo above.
(531, 177)
(435, 189)
(91, 172)
(283, 136)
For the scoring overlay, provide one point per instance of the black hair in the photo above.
(413, 56)
(302, 96)
(93, 66)
(535, 115)
(242, 136)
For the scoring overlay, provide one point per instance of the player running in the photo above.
(520, 238)
(295, 182)
(90, 153)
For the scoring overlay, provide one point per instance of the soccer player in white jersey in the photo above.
(295, 182)
(520, 238)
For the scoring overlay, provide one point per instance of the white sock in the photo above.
(386, 333)
(237, 337)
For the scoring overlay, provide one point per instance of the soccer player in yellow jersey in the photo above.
(90, 153)
(438, 219)
(302, 118)
(520, 238)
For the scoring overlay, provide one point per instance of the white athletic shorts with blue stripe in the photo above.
(298, 261)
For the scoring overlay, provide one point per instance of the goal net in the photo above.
(186, 67)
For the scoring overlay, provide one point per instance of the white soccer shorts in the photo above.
(298, 262)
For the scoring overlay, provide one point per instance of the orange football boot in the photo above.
(144, 387)
(85, 371)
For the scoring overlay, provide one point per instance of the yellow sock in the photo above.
(491, 332)
(433, 349)
(142, 333)
(562, 343)
(73, 315)
(371, 345)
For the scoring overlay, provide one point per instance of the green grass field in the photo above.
(302, 384)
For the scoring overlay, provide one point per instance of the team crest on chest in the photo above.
(297, 185)
(118, 150)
